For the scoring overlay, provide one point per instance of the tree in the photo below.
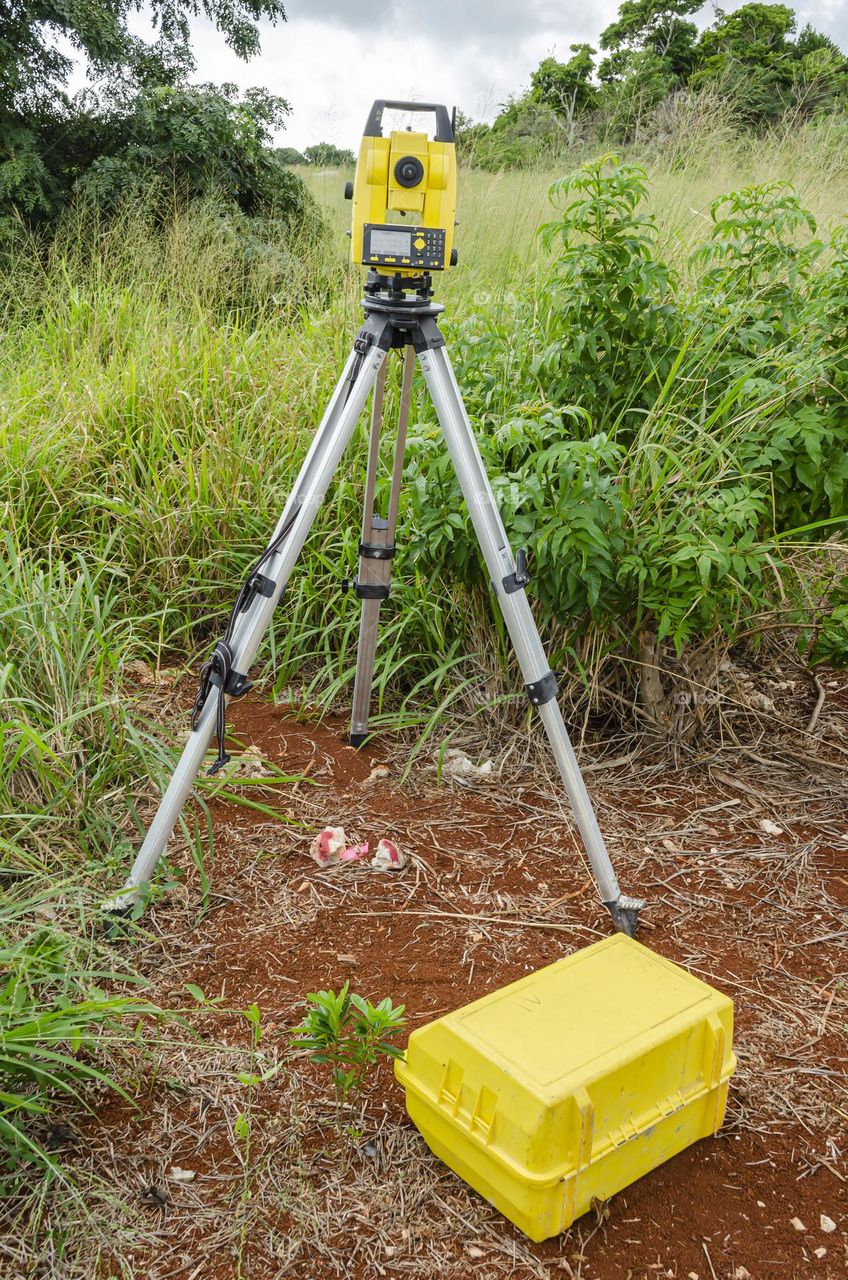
(328, 156)
(39, 123)
(811, 40)
(820, 80)
(566, 87)
(749, 53)
(196, 142)
(643, 79)
(289, 155)
(656, 26)
(753, 36)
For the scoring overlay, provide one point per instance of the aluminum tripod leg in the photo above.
(509, 589)
(377, 548)
(333, 434)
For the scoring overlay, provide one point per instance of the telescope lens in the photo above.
(409, 171)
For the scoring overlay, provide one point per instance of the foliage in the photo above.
(57, 1022)
(565, 87)
(608, 310)
(525, 133)
(672, 433)
(289, 155)
(652, 54)
(325, 155)
(636, 83)
(140, 125)
(655, 25)
(196, 144)
(34, 70)
(348, 1033)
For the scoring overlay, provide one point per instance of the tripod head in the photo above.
(404, 201)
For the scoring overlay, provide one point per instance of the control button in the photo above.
(419, 242)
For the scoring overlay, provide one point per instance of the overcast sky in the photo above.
(332, 58)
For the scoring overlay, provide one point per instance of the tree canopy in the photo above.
(139, 117)
(653, 52)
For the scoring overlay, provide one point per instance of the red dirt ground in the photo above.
(495, 889)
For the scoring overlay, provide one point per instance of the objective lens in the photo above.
(409, 171)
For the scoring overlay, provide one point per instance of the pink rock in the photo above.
(354, 852)
(388, 857)
(327, 846)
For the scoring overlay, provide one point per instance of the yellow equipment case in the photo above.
(570, 1084)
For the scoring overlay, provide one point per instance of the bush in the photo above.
(658, 441)
(168, 148)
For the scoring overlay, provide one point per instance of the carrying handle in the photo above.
(444, 126)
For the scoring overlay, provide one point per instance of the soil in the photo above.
(496, 886)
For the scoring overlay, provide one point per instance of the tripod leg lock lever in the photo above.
(517, 581)
(542, 690)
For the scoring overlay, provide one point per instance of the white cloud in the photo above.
(334, 57)
(330, 74)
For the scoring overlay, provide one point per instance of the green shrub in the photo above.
(348, 1033)
(651, 437)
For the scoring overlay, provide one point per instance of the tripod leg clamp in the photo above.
(258, 584)
(542, 690)
(370, 590)
(236, 685)
(374, 551)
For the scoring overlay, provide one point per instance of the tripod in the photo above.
(395, 317)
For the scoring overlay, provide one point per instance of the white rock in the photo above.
(798, 1224)
(821, 1251)
(459, 768)
(388, 857)
(328, 845)
(827, 1224)
(182, 1175)
(770, 828)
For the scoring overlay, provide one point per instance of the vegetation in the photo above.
(654, 355)
(348, 1033)
(654, 66)
(140, 127)
(323, 155)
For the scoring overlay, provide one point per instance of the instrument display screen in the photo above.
(398, 243)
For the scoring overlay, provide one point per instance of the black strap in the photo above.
(217, 670)
(360, 346)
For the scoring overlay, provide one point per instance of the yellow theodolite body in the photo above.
(413, 177)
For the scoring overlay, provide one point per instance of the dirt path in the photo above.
(747, 878)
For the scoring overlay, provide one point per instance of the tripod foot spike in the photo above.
(625, 913)
(357, 739)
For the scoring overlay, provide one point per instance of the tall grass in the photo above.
(156, 396)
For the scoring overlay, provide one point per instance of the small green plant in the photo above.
(349, 1034)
